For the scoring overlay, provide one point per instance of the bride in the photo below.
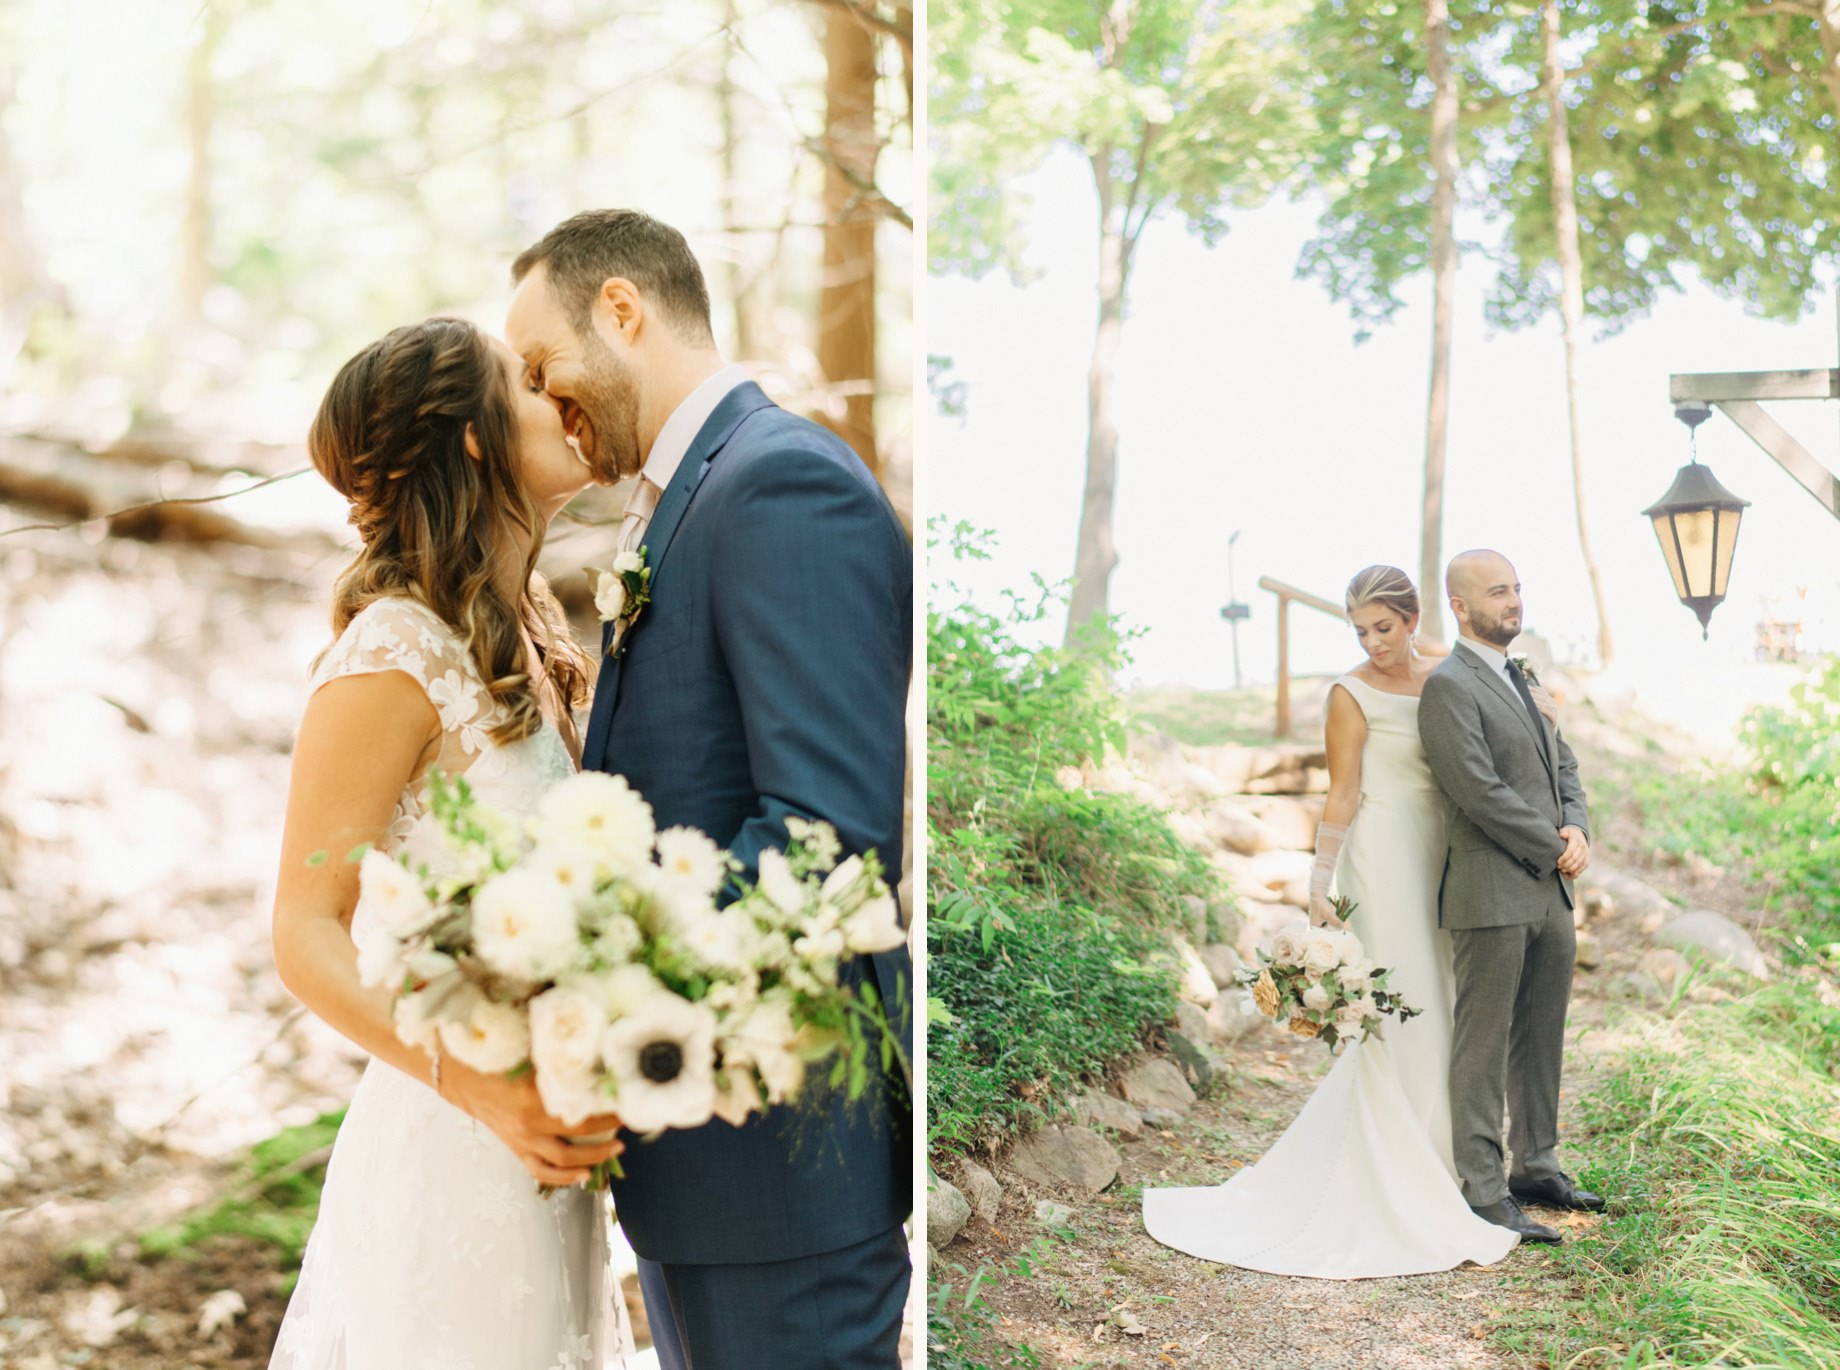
(1363, 1182)
(432, 1246)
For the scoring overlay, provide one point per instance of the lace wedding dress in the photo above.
(1363, 1183)
(433, 1250)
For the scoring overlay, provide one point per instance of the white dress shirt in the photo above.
(686, 421)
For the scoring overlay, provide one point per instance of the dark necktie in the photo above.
(1520, 686)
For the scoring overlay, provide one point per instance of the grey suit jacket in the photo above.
(1508, 789)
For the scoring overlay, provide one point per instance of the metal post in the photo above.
(1233, 598)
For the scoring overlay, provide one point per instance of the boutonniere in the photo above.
(1525, 667)
(621, 594)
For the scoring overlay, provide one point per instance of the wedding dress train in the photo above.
(1362, 1183)
(433, 1249)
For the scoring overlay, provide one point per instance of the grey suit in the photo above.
(1509, 787)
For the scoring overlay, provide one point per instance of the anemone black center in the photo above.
(661, 1062)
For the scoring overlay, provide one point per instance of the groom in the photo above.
(766, 680)
(1519, 835)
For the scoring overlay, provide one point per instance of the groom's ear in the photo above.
(619, 310)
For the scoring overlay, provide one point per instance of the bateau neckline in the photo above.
(1390, 694)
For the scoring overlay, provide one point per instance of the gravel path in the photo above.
(1200, 1314)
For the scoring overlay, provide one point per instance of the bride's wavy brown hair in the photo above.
(390, 436)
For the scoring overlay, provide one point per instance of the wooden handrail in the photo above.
(1285, 594)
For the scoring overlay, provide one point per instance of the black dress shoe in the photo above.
(1558, 1192)
(1506, 1213)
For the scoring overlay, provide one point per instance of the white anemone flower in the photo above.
(875, 926)
(601, 812)
(780, 885)
(686, 857)
(662, 1057)
(392, 895)
(524, 925)
(491, 1039)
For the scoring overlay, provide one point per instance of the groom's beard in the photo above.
(1494, 631)
(608, 397)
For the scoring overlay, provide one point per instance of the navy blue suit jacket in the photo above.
(768, 678)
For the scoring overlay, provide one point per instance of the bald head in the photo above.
(1485, 595)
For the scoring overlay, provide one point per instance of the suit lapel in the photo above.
(735, 406)
(1506, 693)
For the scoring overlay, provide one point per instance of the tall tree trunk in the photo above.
(846, 304)
(1444, 287)
(1830, 50)
(1571, 292)
(200, 109)
(1097, 555)
(738, 279)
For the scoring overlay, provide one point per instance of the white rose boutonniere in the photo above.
(621, 594)
(1525, 667)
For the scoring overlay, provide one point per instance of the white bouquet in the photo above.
(592, 948)
(1319, 983)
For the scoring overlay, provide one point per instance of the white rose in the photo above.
(1349, 1015)
(737, 1095)
(1322, 950)
(765, 1039)
(524, 925)
(392, 895)
(603, 813)
(610, 596)
(1287, 943)
(492, 1038)
(566, 1024)
(1317, 998)
(1351, 949)
(876, 926)
(628, 563)
(412, 1027)
(780, 885)
(1356, 977)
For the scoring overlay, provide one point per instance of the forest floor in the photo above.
(1055, 1288)
(150, 693)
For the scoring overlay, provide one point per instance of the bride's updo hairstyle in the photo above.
(390, 436)
(1386, 585)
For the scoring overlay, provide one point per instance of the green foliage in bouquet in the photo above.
(1047, 902)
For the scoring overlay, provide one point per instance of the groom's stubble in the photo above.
(608, 396)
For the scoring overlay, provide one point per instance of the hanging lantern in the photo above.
(1696, 523)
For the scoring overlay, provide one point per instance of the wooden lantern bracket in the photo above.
(1737, 394)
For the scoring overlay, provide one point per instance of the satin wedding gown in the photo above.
(1362, 1183)
(433, 1250)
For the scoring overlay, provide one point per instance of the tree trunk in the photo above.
(1444, 286)
(195, 234)
(1096, 555)
(738, 280)
(1830, 51)
(1571, 293)
(846, 303)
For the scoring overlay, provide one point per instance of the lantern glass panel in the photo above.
(1726, 544)
(1664, 534)
(1694, 529)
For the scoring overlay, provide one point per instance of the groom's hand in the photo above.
(1577, 853)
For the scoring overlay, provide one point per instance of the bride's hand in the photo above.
(1545, 703)
(1322, 913)
(514, 1111)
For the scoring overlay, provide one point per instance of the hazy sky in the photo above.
(1244, 403)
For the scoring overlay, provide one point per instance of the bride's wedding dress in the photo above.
(433, 1250)
(1362, 1183)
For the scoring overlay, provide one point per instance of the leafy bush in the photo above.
(1047, 903)
(1781, 817)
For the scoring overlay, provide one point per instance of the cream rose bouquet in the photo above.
(594, 949)
(1319, 983)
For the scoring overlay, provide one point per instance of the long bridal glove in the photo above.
(1329, 839)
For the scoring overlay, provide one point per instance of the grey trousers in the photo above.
(1514, 985)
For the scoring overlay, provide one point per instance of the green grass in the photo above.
(275, 1199)
(1215, 718)
(1717, 1139)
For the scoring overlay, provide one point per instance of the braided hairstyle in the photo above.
(390, 436)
